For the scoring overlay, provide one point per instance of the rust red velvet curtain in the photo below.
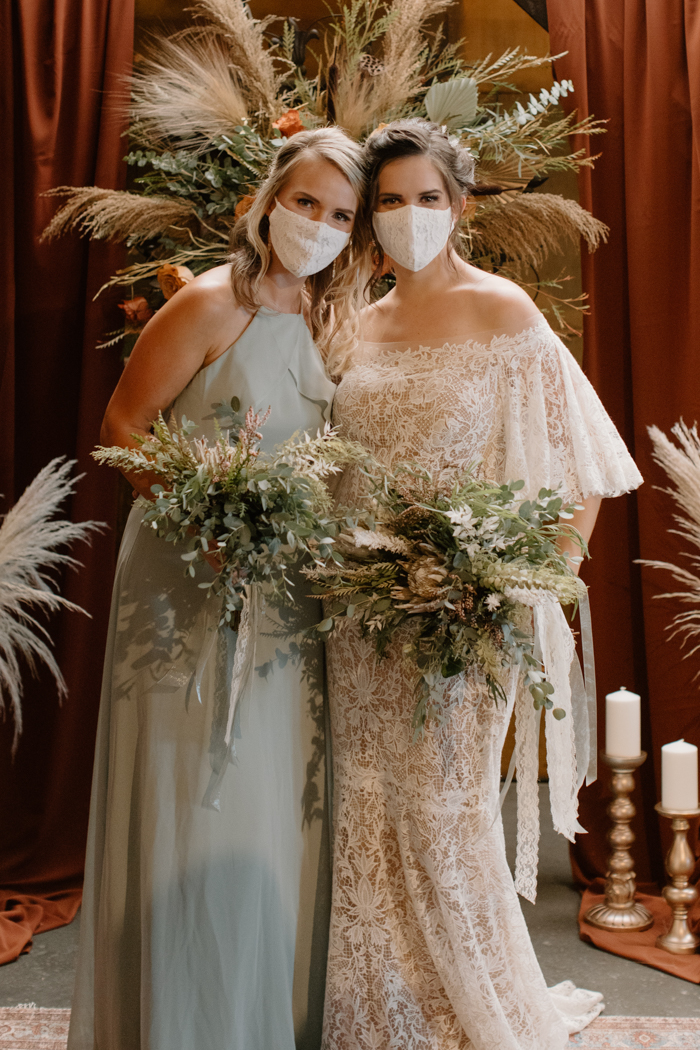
(60, 72)
(636, 64)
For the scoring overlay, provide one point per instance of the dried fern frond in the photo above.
(683, 468)
(259, 79)
(499, 70)
(535, 149)
(116, 214)
(186, 89)
(30, 538)
(531, 226)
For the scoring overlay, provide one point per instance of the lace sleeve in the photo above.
(557, 433)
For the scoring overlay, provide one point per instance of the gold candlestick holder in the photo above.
(680, 863)
(620, 910)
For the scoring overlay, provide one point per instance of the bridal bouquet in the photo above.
(465, 568)
(260, 512)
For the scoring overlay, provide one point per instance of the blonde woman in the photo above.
(204, 926)
(428, 946)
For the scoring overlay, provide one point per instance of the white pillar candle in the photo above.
(623, 733)
(679, 776)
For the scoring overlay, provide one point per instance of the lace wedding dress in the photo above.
(428, 946)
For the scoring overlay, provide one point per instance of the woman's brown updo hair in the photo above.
(415, 137)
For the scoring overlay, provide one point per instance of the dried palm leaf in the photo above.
(683, 468)
(259, 79)
(116, 214)
(30, 538)
(531, 226)
(186, 89)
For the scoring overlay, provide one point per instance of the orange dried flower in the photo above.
(172, 278)
(289, 123)
(136, 311)
(376, 130)
(388, 266)
(244, 205)
(469, 210)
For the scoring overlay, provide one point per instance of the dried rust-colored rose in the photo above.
(289, 123)
(244, 205)
(172, 278)
(469, 210)
(136, 311)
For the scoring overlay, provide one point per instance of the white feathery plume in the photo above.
(683, 468)
(30, 538)
(259, 79)
(187, 89)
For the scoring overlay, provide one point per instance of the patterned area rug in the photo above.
(32, 1028)
(639, 1033)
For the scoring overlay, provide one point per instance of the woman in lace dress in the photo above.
(205, 911)
(428, 946)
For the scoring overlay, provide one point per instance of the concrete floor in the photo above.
(45, 975)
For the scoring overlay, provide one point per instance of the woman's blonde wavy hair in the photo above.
(333, 295)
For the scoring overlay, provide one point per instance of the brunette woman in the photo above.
(428, 946)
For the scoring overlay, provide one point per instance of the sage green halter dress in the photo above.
(204, 926)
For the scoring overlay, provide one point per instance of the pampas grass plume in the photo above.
(683, 468)
(31, 538)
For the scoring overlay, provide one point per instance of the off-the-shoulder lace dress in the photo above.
(428, 946)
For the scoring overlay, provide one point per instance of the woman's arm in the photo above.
(583, 520)
(187, 333)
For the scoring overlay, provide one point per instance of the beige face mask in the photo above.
(302, 245)
(413, 236)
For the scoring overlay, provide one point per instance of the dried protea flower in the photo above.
(426, 575)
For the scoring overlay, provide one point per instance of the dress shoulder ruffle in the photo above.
(557, 432)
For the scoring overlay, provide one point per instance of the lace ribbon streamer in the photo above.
(571, 741)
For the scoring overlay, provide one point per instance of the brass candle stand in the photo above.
(619, 910)
(680, 862)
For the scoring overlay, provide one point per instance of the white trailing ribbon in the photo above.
(571, 741)
(224, 750)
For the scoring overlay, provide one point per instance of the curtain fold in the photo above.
(62, 70)
(635, 64)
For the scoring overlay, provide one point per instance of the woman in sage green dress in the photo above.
(205, 912)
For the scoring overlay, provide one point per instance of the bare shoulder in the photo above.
(202, 315)
(208, 297)
(500, 303)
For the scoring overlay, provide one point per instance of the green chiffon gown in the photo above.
(205, 923)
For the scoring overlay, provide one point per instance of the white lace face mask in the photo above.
(304, 246)
(413, 236)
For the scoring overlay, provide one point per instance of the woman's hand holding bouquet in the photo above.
(256, 513)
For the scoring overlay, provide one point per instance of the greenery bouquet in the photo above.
(464, 568)
(259, 512)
